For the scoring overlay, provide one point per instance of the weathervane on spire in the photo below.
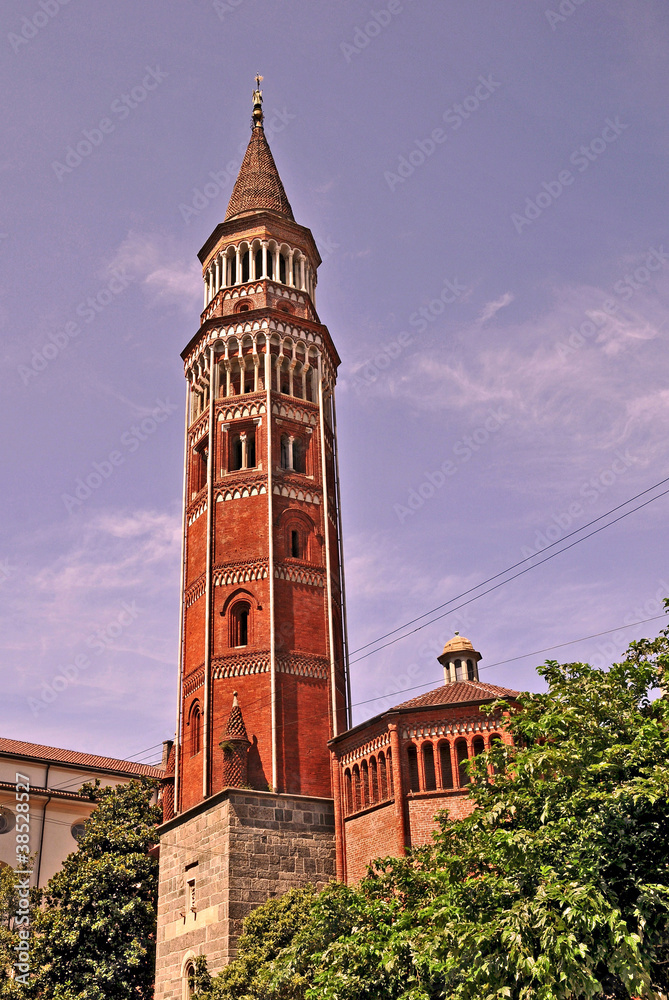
(257, 116)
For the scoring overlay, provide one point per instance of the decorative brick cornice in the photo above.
(240, 572)
(372, 746)
(193, 682)
(253, 407)
(304, 665)
(195, 591)
(295, 493)
(241, 489)
(241, 664)
(310, 576)
(301, 413)
(196, 509)
(459, 727)
(199, 428)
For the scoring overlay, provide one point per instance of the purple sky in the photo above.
(488, 186)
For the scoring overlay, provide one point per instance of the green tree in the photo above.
(556, 887)
(95, 933)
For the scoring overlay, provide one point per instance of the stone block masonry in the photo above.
(221, 859)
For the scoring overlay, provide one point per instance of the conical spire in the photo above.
(258, 187)
(235, 729)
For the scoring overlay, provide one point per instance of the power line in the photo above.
(521, 656)
(509, 579)
(516, 564)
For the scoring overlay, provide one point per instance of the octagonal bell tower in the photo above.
(263, 587)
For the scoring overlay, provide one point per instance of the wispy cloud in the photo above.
(166, 272)
(494, 307)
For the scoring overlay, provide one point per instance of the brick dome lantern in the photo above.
(460, 660)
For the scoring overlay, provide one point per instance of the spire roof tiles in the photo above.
(258, 187)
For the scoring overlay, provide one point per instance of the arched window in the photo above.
(259, 263)
(383, 777)
(239, 624)
(470, 670)
(428, 767)
(246, 266)
(364, 782)
(356, 788)
(231, 271)
(308, 386)
(412, 759)
(496, 742)
(391, 780)
(295, 544)
(189, 981)
(348, 792)
(282, 268)
(243, 450)
(478, 745)
(462, 757)
(446, 768)
(195, 726)
(458, 670)
(373, 780)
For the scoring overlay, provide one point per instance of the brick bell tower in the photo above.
(263, 681)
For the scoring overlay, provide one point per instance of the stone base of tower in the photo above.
(224, 857)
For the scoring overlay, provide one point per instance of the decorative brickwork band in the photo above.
(235, 746)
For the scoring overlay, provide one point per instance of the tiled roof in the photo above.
(461, 691)
(74, 757)
(258, 186)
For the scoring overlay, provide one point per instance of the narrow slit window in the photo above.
(295, 547)
(239, 625)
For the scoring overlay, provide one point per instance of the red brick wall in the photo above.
(370, 835)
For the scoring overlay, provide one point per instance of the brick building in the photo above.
(268, 786)
(48, 780)
(393, 773)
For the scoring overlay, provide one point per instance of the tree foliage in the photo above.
(95, 933)
(556, 887)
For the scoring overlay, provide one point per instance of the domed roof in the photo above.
(458, 644)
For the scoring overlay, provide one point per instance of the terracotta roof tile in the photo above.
(74, 757)
(258, 186)
(461, 691)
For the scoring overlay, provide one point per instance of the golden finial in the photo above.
(257, 116)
